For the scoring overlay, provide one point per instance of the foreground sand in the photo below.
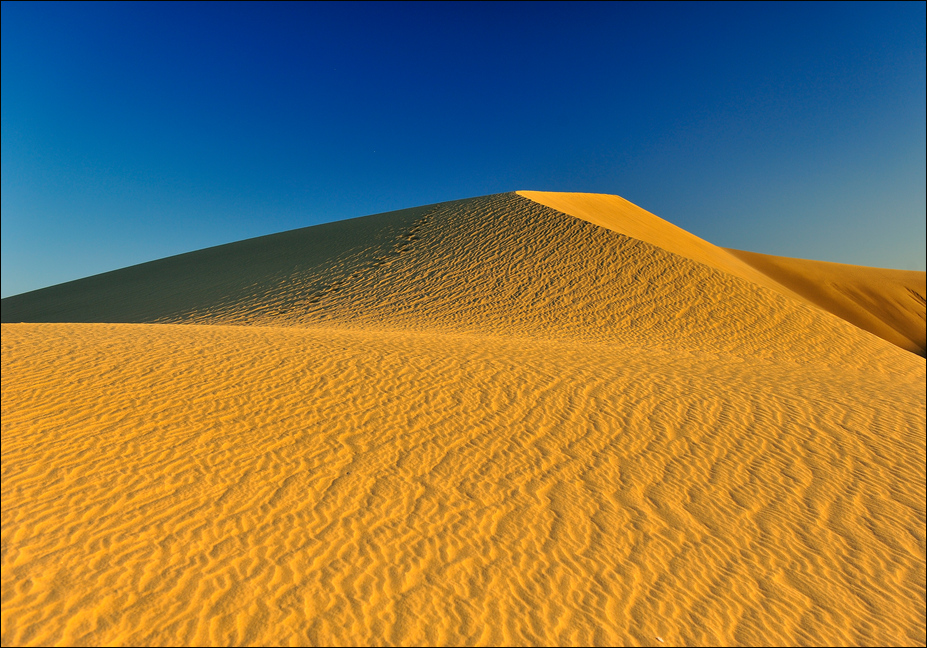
(499, 424)
(254, 485)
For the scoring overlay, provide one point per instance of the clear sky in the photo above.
(136, 131)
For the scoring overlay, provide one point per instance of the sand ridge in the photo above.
(887, 303)
(619, 215)
(481, 422)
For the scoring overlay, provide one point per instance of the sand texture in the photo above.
(533, 418)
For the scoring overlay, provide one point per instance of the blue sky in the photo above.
(136, 131)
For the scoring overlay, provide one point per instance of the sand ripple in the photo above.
(248, 485)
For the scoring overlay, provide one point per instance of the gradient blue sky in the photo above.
(136, 131)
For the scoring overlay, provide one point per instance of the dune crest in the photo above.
(622, 216)
(887, 303)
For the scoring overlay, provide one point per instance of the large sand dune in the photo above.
(526, 418)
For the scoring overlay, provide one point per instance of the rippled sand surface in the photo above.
(484, 422)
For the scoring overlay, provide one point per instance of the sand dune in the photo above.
(497, 265)
(530, 419)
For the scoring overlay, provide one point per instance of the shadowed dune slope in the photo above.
(887, 303)
(217, 281)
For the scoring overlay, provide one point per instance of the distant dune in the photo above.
(526, 418)
(888, 303)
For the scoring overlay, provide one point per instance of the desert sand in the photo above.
(527, 418)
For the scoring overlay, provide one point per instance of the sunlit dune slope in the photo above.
(245, 485)
(499, 265)
(887, 303)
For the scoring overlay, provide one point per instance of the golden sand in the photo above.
(490, 421)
